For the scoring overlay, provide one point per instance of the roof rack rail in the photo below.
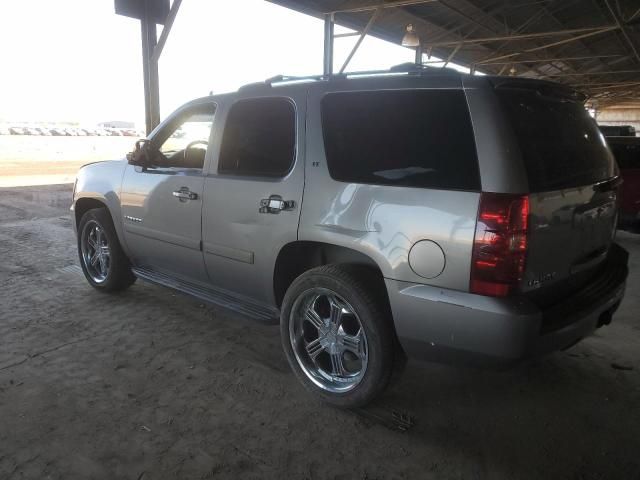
(291, 78)
(410, 68)
(269, 82)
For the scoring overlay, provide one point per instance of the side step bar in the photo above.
(216, 296)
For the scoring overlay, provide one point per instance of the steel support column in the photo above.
(328, 45)
(419, 52)
(150, 72)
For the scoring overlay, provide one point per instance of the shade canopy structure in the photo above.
(592, 45)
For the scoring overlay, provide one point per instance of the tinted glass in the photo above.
(259, 138)
(413, 138)
(189, 129)
(627, 155)
(561, 144)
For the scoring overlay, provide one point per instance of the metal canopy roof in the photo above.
(593, 45)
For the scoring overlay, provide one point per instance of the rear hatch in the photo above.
(573, 182)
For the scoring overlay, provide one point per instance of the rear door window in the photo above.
(561, 145)
(411, 138)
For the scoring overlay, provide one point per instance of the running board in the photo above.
(213, 295)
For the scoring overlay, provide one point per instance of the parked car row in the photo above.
(70, 131)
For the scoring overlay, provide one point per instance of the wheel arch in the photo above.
(297, 257)
(85, 203)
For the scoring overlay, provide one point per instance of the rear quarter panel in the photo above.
(384, 222)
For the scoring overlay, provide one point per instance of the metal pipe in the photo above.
(376, 6)
(633, 16)
(328, 44)
(523, 36)
(549, 60)
(599, 86)
(157, 51)
(348, 34)
(554, 44)
(362, 35)
(580, 74)
(623, 30)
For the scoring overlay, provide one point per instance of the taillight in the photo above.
(500, 244)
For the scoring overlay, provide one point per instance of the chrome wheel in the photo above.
(328, 340)
(96, 254)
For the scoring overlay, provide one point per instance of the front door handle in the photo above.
(185, 194)
(275, 204)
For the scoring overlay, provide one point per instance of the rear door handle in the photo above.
(275, 204)
(185, 194)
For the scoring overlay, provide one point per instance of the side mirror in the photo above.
(140, 156)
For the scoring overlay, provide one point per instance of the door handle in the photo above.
(185, 194)
(275, 204)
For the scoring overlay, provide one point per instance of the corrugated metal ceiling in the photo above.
(593, 45)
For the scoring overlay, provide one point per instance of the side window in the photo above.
(259, 138)
(411, 138)
(183, 144)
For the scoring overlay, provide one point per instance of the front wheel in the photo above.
(104, 264)
(337, 334)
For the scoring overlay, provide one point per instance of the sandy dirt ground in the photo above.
(34, 160)
(151, 384)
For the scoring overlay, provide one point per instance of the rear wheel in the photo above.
(105, 265)
(338, 335)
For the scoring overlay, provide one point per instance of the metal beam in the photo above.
(599, 86)
(554, 44)
(362, 35)
(613, 72)
(549, 60)
(348, 34)
(157, 51)
(623, 29)
(633, 16)
(376, 6)
(525, 36)
(328, 44)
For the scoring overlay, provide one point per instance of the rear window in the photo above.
(561, 144)
(627, 156)
(411, 138)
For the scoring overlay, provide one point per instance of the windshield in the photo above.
(560, 143)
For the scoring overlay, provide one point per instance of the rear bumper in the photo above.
(455, 327)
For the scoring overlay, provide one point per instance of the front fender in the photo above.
(102, 182)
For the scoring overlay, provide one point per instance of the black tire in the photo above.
(119, 275)
(361, 289)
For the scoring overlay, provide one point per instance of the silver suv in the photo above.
(420, 213)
